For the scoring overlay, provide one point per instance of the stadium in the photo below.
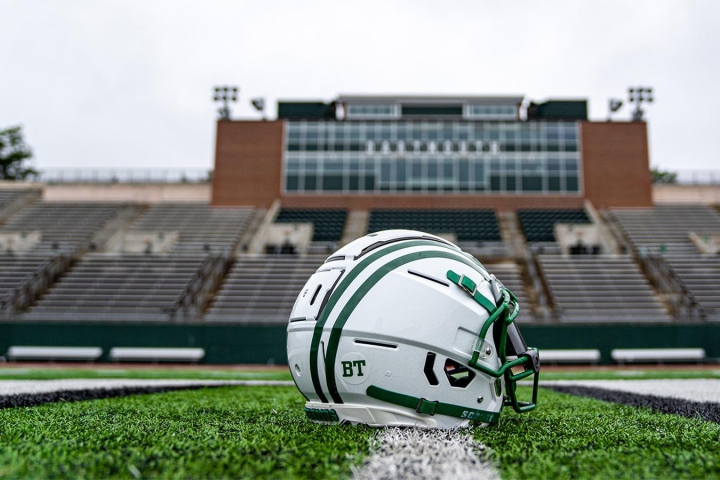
(170, 293)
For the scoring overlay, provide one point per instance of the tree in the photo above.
(663, 176)
(13, 153)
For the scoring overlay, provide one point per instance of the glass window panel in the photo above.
(369, 183)
(354, 183)
(385, 171)
(532, 166)
(464, 170)
(554, 183)
(332, 183)
(448, 170)
(416, 170)
(495, 165)
(333, 166)
(531, 183)
(571, 165)
(292, 183)
(511, 183)
(401, 170)
(432, 169)
(571, 183)
(495, 183)
(479, 176)
(310, 183)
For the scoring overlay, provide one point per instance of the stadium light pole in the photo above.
(638, 95)
(225, 95)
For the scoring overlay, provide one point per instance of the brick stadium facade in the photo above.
(613, 163)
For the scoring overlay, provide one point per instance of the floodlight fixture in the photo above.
(258, 103)
(638, 96)
(225, 94)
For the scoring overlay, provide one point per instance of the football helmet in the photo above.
(402, 328)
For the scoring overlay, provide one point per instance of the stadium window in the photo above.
(292, 183)
(553, 183)
(332, 183)
(531, 183)
(464, 170)
(571, 183)
(310, 183)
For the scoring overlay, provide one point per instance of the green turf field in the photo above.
(244, 432)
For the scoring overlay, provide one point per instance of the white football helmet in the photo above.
(402, 328)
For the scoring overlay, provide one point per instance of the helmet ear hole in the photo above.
(458, 374)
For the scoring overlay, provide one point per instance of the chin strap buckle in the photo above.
(468, 285)
(426, 406)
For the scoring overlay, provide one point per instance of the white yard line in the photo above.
(412, 453)
(695, 390)
(21, 387)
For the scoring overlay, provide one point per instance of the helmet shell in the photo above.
(381, 315)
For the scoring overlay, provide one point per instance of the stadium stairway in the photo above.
(510, 276)
(600, 288)
(700, 274)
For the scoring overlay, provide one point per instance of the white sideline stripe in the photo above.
(19, 387)
(696, 390)
(413, 453)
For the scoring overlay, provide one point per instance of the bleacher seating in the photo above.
(537, 224)
(605, 288)
(701, 276)
(118, 287)
(201, 228)
(328, 224)
(9, 196)
(15, 269)
(262, 288)
(466, 225)
(665, 228)
(509, 275)
(64, 226)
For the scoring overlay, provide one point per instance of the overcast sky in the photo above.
(129, 83)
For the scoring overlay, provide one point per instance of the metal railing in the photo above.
(697, 177)
(124, 175)
(194, 299)
(37, 283)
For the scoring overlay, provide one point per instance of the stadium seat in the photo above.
(328, 224)
(466, 225)
(538, 224)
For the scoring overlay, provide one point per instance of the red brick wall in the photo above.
(248, 163)
(616, 165)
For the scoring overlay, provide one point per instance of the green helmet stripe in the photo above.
(340, 289)
(347, 310)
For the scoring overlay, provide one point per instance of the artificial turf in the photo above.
(230, 432)
(575, 437)
(261, 432)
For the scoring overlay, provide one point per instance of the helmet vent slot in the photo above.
(374, 344)
(314, 297)
(428, 277)
(429, 373)
(458, 374)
